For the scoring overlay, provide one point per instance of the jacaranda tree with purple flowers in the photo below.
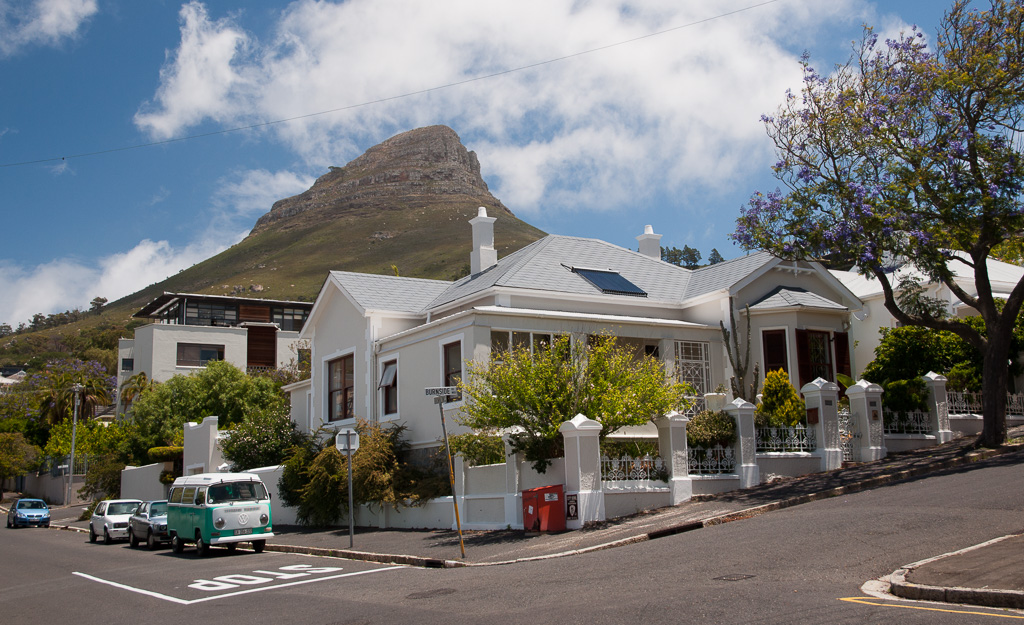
(913, 154)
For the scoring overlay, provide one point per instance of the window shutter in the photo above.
(842, 347)
(803, 358)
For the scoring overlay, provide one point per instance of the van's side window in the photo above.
(175, 495)
(200, 495)
(188, 495)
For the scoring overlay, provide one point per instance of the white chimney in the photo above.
(650, 243)
(484, 255)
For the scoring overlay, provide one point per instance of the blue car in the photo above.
(28, 512)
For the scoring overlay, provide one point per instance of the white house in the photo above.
(190, 330)
(377, 341)
(867, 323)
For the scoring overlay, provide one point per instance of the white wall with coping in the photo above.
(789, 464)
(52, 489)
(202, 453)
(143, 482)
(280, 513)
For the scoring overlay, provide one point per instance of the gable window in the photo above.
(693, 365)
(389, 387)
(775, 352)
(195, 355)
(452, 357)
(340, 387)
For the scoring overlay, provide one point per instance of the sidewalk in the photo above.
(990, 574)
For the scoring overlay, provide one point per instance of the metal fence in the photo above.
(910, 422)
(626, 468)
(969, 402)
(57, 466)
(786, 439)
(716, 460)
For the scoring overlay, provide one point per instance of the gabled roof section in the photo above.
(389, 293)
(546, 265)
(794, 297)
(725, 274)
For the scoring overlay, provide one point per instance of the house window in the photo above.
(814, 356)
(127, 364)
(693, 365)
(389, 387)
(341, 385)
(195, 355)
(502, 340)
(290, 319)
(209, 314)
(775, 353)
(452, 355)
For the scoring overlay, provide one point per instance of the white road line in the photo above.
(151, 593)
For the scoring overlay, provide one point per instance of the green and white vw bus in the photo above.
(219, 509)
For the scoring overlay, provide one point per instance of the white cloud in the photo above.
(251, 193)
(600, 130)
(65, 284)
(42, 22)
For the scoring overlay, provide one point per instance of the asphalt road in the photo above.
(805, 564)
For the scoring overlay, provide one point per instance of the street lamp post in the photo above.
(77, 390)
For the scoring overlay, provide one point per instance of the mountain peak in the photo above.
(428, 161)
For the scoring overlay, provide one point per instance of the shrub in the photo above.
(478, 449)
(780, 405)
(906, 395)
(165, 454)
(708, 429)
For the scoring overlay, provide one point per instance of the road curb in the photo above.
(988, 597)
(729, 517)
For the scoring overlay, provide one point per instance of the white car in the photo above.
(110, 519)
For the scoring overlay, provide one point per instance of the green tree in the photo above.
(97, 304)
(54, 387)
(539, 391)
(715, 257)
(262, 439)
(17, 456)
(908, 154)
(220, 389)
(780, 405)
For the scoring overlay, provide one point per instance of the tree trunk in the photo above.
(995, 374)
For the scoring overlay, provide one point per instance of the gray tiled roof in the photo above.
(724, 274)
(374, 292)
(790, 297)
(542, 265)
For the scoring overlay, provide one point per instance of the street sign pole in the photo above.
(440, 394)
(351, 511)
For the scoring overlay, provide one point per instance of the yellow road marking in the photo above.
(921, 607)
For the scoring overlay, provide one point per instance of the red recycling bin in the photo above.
(544, 509)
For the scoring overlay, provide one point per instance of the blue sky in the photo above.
(663, 130)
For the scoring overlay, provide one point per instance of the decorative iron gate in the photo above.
(848, 433)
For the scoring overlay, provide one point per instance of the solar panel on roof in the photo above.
(610, 282)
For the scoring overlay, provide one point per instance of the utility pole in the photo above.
(77, 390)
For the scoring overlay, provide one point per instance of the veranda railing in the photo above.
(786, 439)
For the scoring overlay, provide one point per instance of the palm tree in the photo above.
(56, 394)
(133, 387)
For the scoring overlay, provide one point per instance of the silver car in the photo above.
(149, 524)
(110, 519)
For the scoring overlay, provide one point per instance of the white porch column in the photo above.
(866, 412)
(938, 408)
(822, 399)
(583, 469)
(742, 412)
(513, 490)
(673, 450)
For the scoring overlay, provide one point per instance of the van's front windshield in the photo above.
(236, 491)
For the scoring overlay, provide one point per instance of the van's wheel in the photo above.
(202, 547)
(177, 545)
(150, 540)
(133, 542)
(258, 545)
(106, 537)
(92, 534)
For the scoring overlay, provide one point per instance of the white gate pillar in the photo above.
(583, 469)
(673, 450)
(866, 410)
(938, 408)
(822, 400)
(742, 412)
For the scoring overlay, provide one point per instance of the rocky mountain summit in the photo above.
(423, 165)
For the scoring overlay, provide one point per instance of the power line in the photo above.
(394, 97)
